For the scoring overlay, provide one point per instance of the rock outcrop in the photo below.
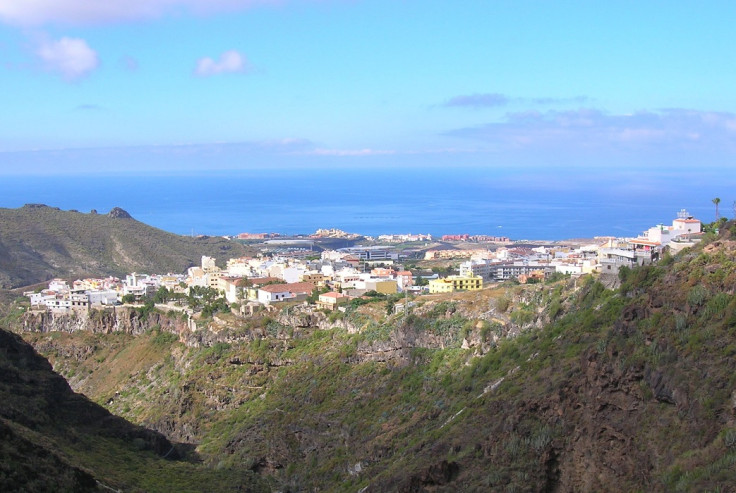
(104, 321)
(118, 213)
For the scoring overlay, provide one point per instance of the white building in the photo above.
(58, 285)
(102, 297)
(476, 268)
(139, 285)
(208, 264)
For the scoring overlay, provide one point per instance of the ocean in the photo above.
(521, 204)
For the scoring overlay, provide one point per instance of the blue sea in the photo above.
(537, 203)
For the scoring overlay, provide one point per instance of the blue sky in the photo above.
(164, 85)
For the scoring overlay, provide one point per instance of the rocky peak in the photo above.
(39, 206)
(118, 213)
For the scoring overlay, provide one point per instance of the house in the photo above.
(382, 272)
(437, 286)
(315, 278)
(404, 279)
(233, 288)
(331, 300)
(536, 275)
(239, 267)
(509, 270)
(383, 286)
(476, 268)
(139, 285)
(208, 264)
(58, 285)
(274, 293)
(103, 297)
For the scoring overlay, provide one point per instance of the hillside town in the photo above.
(332, 278)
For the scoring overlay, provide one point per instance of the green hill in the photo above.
(38, 243)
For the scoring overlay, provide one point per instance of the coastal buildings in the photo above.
(353, 272)
(648, 247)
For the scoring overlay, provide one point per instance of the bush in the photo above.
(729, 438)
(697, 295)
(164, 338)
(503, 304)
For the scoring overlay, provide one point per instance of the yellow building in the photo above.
(455, 283)
(383, 287)
(440, 286)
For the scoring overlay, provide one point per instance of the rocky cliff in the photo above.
(128, 320)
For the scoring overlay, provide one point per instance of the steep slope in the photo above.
(38, 243)
(56, 440)
(631, 389)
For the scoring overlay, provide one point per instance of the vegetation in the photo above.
(41, 242)
(207, 300)
(564, 385)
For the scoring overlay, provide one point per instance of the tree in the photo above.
(716, 201)
(162, 295)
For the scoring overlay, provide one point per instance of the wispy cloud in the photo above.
(488, 100)
(230, 62)
(72, 58)
(547, 100)
(349, 152)
(77, 12)
(666, 129)
(179, 157)
(494, 100)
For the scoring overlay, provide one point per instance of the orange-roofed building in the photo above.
(296, 291)
(331, 300)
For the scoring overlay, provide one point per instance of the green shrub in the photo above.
(503, 304)
(697, 295)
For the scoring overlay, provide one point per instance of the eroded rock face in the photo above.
(102, 321)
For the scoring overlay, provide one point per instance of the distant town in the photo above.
(289, 270)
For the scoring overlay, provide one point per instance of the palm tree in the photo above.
(716, 201)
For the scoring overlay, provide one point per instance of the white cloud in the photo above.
(70, 57)
(41, 12)
(673, 129)
(493, 100)
(230, 62)
(349, 152)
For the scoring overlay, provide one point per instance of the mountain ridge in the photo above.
(39, 242)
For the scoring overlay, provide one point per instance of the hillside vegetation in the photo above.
(38, 243)
(55, 440)
(561, 386)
